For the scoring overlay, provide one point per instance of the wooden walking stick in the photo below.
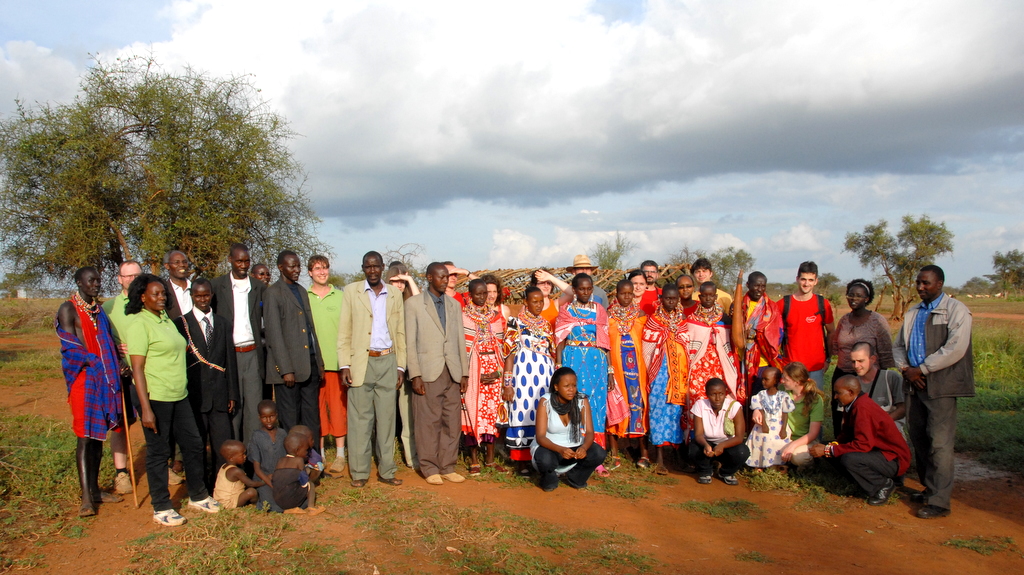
(128, 440)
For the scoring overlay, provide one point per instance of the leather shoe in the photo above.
(389, 481)
(358, 482)
(932, 512)
(919, 497)
(881, 497)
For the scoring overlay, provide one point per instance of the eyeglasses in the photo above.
(129, 275)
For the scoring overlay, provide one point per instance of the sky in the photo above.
(517, 134)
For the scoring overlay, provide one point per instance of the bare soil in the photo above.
(859, 539)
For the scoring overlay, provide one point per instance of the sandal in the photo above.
(644, 463)
(661, 470)
(524, 471)
(495, 467)
(602, 472)
(474, 469)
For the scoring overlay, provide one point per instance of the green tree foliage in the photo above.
(609, 255)
(919, 242)
(1009, 268)
(976, 285)
(143, 161)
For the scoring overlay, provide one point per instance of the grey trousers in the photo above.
(405, 412)
(437, 416)
(932, 424)
(371, 407)
(247, 419)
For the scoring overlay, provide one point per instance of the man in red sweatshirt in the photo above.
(869, 446)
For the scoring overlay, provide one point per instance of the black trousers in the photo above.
(173, 417)
(300, 404)
(215, 428)
(548, 461)
(869, 469)
(732, 459)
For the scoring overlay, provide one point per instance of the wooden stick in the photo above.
(128, 441)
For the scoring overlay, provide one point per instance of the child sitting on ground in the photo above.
(719, 430)
(266, 447)
(314, 461)
(293, 491)
(234, 488)
(771, 414)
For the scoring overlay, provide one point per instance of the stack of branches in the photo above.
(516, 280)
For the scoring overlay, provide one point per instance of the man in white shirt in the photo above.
(884, 386)
(179, 268)
(238, 297)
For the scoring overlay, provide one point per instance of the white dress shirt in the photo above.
(242, 332)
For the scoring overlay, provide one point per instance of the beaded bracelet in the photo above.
(508, 381)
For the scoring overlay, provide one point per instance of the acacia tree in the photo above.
(609, 254)
(919, 242)
(142, 161)
(727, 262)
(1009, 268)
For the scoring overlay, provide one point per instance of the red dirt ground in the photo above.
(861, 539)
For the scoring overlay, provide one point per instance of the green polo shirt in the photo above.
(114, 309)
(158, 339)
(799, 424)
(326, 315)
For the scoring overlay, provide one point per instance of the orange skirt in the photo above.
(333, 405)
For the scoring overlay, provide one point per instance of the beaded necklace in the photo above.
(90, 309)
(671, 319)
(708, 316)
(624, 316)
(481, 316)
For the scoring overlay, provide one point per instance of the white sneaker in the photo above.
(208, 505)
(168, 518)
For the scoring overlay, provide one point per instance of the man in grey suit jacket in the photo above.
(293, 354)
(439, 368)
(238, 298)
(371, 357)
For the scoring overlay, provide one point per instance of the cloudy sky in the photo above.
(509, 134)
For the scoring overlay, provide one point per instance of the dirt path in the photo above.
(1010, 316)
(860, 539)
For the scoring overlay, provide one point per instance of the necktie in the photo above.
(209, 329)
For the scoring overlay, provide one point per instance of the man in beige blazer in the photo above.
(439, 368)
(371, 358)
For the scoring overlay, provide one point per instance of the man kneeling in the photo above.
(869, 446)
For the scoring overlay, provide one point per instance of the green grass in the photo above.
(821, 488)
(28, 315)
(982, 545)
(753, 557)
(18, 368)
(38, 481)
(730, 510)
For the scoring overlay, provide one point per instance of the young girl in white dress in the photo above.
(769, 435)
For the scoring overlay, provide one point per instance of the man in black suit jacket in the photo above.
(210, 362)
(294, 363)
(238, 298)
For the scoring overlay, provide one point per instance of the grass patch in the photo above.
(20, 367)
(620, 488)
(24, 315)
(753, 557)
(730, 510)
(982, 545)
(821, 487)
(38, 481)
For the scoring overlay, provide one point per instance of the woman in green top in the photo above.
(157, 353)
(805, 420)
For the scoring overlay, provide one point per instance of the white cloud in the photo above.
(34, 74)
(799, 238)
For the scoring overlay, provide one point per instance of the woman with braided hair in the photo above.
(565, 435)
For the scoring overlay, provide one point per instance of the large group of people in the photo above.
(240, 383)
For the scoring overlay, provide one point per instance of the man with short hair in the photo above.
(868, 446)
(325, 303)
(649, 301)
(883, 386)
(439, 368)
(371, 351)
(114, 308)
(933, 350)
(262, 273)
(238, 298)
(581, 265)
(702, 272)
(295, 365)
(212, 380)
(92, 372)
(179, 268)
(808, 323)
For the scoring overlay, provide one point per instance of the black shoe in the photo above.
(881, 497)
(919, 497)
(932, 512)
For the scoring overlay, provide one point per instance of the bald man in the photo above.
(868, 447)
